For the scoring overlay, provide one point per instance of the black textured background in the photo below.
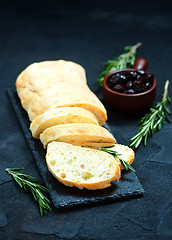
(89, 33)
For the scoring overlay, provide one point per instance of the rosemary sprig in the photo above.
(153, 120)
(115, 154)
(22, 180)
(125, 60)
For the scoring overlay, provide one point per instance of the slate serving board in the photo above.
(62, 196)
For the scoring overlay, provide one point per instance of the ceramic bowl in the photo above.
(131, 103)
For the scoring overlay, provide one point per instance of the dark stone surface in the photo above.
(89, 33)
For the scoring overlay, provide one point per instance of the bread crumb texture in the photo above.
(81, 167)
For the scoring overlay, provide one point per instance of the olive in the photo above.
(119, 88)
(127, 74)
(149, 77)
(148, 85)
(118, 74)
(110, 85)
(130, 91)
(138, 77)
(133, 74)
(141, 72)
(123, 79)
(114, 79)
(142, 87)
(135, 83)
(129, 84)
(137, 88)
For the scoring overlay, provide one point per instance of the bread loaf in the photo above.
(81, 167)
(66, 116)
(51, 84)
(61, 115)
(80, 134)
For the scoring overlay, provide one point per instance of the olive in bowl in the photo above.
(129, 90)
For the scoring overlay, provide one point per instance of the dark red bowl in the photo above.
(128, 102)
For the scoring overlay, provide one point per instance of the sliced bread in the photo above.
(61, 115)
(81, 167)
(125, 153)
(80, 134)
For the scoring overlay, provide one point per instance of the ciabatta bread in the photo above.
(61, 115)
(126, 153)
(81, 167)
(52, 84)
(80, 134)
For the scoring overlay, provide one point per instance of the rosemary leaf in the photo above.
(153, 121)
(125, 60)
(22, 180)
(115, 154)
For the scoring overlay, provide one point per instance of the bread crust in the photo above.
(126, 153)
(52, 84)
(82, 184)
(62, 115)
(80, 134)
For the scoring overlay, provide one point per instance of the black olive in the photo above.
(110, 85)
(114, 79)
(130, 91)
(138, 77)
(122, 77)
(135, 83)
(137, 88)
(130, 76)
(129, 84)
(119, 88)
(118, 74)
(141, 88)
(141, 72)
(148, 86)
(133, 73)
(127, 74)
(149, 78)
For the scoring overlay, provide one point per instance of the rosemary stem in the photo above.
(153, 120)
(132, 50)
(165, 90)
(35, 189)
(138, 45)
(125, 60)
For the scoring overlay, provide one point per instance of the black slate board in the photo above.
(62, 196)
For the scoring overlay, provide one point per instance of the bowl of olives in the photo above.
(130, 90)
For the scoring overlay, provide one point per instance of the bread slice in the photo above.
(51, 84)
(81, 167)
(62, 115)
(80, 134)
(126, 153)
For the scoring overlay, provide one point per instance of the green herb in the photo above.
(115, 154)
(153, 120)
(22, 180)
(125, 60)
